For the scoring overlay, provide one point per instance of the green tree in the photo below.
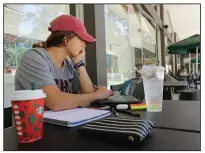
(40, 17)
(9, 56)
(9, 59)
(19, 53)
(43, 16)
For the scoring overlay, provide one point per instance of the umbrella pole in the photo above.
(193, 67)
(189, 63)
(197, 59)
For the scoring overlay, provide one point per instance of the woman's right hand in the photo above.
(103, 93)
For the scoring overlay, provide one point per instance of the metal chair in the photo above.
(116, 87)
(138, 90)
(190, 95)
(7, 117)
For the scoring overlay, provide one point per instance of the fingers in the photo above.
(100, 86)
(79, 55)
(77, 58)
(111, 92)
(82, 53)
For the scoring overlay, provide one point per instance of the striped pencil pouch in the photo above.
(130, 130)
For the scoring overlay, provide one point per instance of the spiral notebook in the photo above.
(74, 117)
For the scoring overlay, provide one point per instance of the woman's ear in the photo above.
(65, 40)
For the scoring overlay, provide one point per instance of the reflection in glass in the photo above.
(120, 64)
(133, 38)
(149, 41)
(25, 25)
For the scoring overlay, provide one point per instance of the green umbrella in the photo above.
(194, 60)
(185, 46)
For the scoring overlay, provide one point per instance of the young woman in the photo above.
(65, 82)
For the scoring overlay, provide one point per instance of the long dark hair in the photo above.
(56, 39)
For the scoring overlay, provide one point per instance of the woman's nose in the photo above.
(83, 43)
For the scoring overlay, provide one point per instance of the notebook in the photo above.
(74, 117)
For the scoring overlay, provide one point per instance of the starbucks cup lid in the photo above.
(27, 94)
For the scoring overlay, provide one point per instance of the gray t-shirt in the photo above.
(36, 66)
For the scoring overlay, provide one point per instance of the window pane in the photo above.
(25, 25)
(130, 42)
(149, 41)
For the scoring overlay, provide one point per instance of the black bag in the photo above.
(126, 130)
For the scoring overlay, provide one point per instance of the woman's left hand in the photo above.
(77, 58)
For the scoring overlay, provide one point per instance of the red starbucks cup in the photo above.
(28, 108)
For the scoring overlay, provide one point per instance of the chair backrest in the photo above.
(135, 86)
(190, 96)
(169, 78)
(139, 91)
(7, 117)
(116, 87)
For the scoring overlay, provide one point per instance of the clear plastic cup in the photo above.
(28, 109)
(153, 81)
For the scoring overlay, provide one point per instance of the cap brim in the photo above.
(86, 37)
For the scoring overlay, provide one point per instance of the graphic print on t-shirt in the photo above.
(64, 85)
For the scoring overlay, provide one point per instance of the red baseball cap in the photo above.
(71, 23)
